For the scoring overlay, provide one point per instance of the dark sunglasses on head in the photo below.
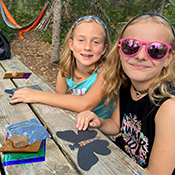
(155, 50)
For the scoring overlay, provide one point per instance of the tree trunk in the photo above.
(56, 31)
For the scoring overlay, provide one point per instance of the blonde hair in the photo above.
(68, 62)
(114, 76)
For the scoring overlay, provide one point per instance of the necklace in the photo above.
(139, 93)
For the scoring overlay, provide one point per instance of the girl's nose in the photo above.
(87, 45)
(142, 55)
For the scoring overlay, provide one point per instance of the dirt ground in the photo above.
(36, 55)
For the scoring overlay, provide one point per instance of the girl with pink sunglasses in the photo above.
(140, 79)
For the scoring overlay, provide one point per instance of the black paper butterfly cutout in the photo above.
(88, 143)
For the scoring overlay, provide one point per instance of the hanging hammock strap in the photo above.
(10, 21)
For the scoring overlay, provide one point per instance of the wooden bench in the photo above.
(56, 119)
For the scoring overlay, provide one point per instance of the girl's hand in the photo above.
(87, 118)
(25, 95)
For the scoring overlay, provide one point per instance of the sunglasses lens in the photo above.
(130, 47)
(157, 50)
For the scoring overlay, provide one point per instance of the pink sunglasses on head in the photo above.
(155, 50)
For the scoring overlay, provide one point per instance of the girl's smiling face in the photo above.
(140, 68)
(87, 44)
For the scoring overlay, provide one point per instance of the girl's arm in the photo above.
(72, 102)
(162, 158)
(109, 126)
(61, 85)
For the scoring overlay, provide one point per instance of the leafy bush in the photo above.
(46, 35)
(8, 32)
(169, 13)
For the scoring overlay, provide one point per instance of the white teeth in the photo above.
(87, 55)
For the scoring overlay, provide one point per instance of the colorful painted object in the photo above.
(33, 129)
(8, 146)
(17, 74)
(23, 158)
(83, 143)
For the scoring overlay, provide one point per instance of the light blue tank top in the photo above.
(83, 87)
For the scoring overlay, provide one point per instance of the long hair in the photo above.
(68, 61)
(114, 75)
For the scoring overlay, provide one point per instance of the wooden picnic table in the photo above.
(59, 159)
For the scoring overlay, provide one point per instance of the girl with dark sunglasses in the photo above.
(140, 78)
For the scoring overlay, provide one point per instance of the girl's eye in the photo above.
(81, 40)
(96, 42)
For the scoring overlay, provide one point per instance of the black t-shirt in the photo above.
(137, 126)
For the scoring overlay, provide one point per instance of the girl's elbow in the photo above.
(56, 89)
(87, 106)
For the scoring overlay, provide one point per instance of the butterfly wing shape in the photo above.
(86, 156)
(101, 147)
(87, 134)
(68, 135)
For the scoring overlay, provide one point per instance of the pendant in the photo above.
(138, 94)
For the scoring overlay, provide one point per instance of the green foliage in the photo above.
(73, 9)
(8, 32)
(46, 35)
(23, 13)
(114, 13)
(169, 13)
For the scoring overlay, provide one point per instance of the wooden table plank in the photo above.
(58, 119)
(55, 161)
(15, 65)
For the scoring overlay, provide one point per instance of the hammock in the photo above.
(9, 20)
